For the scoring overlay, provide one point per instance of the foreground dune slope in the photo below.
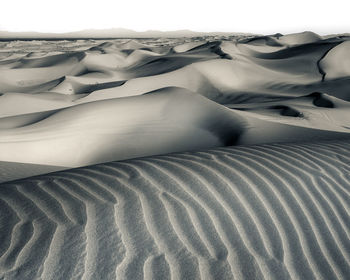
(274, 211)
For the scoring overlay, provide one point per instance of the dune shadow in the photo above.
(320, 101)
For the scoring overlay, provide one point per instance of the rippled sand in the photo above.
(273, 211)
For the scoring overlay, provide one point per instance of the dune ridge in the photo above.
(272, 211)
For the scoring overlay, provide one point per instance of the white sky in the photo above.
(264, 17)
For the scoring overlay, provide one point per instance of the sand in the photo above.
(90, 102)
(188, 158)
(273, 211)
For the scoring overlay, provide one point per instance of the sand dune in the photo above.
(335, 64)
(299, 38)
(75, 103)
(33, 73)
(163, 121)
(56, 137)
(10, 171)
(274, 211)
(256, 193)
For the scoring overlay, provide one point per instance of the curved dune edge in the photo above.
(273, 211)
(163, 121)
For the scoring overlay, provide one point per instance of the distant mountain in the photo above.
(111, 33)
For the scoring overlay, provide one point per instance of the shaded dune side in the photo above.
(10, 171)
(274, 211)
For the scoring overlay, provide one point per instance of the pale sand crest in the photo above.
(273, 211)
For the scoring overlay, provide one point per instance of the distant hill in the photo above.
(110, 33)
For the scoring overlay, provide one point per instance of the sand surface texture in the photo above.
(191, 158)
(273, 211)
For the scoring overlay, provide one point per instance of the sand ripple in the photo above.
(273, 211)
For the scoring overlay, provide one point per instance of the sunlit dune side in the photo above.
(164, 121)
(300, 38)
(28, 74)
(273, 211)
(336, 62)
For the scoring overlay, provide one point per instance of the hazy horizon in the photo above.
(115, 33)
(264, 17)
(127, 30)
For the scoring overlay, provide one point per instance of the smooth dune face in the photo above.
(273, 211)
(300, 38)
(336, 62)
(117, 130)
